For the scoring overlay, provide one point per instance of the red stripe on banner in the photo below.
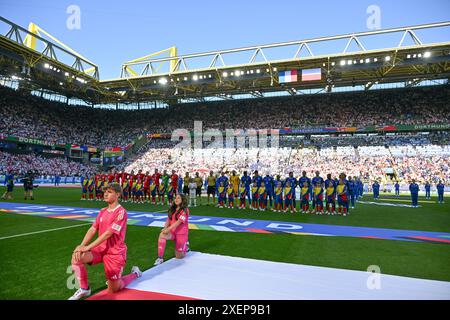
(371, 237)
(311, 77)
(258, 230)
(431, 239)
(133, 294)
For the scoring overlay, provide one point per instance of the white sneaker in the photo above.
(158, 261)
(136, 270)
(80, 293)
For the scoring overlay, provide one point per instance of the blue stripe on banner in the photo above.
(311, 71)
(281, 76)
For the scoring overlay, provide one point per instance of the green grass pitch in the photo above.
(36, 266)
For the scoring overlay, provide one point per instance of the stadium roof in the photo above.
(42, 63)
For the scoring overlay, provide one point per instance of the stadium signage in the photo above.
(432, 126)
(35, 141)
(42, 142)
(390, 128)
(327, 130)
(154, 219)
(30, 141)
(147, 218)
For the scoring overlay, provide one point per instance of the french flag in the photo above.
(311, 74)
(288, 76)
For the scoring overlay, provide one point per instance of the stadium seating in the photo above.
(21, 163)
(410, 155)
(369, 162)
(33, 117)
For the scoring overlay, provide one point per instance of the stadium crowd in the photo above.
(370, 157)
(407, 162)
(22, 163)
(355, 109)
(28, 116)
(33, 117)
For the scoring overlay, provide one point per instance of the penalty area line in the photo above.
(43, 231)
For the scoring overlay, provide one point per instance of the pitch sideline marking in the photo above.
(42, 231)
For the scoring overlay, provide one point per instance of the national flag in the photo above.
(386, 128)
(311, 74)
(288, 76)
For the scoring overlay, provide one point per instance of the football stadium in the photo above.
(311, 169)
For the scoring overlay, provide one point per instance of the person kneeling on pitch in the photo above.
(109, 247)
(176, 229)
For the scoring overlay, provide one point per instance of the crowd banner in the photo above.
(332, 130)
(40, 142)
(282, 131)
